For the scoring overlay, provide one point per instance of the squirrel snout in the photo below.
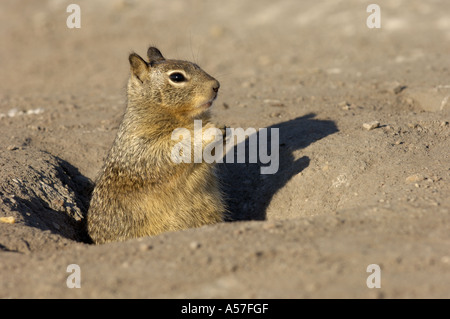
(216, 86)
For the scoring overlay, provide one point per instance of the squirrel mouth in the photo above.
(207, 104)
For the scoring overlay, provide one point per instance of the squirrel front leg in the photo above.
(212, 132)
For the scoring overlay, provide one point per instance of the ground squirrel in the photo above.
(141, 191)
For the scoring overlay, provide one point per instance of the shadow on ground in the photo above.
(248, 192)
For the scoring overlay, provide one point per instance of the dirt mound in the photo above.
(45, 196)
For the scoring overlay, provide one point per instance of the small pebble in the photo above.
(397, 89)
(345, 105)
(13, 112)
(275, 114)
(7, 220)
(414, 178)
(35, 111)
(371, 125)
(145, 247)
(194, 245)
(272, 102)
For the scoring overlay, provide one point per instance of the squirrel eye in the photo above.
(177, 77)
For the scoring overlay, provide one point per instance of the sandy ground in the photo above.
(344, 197)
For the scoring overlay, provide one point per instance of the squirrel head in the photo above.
(178, 87)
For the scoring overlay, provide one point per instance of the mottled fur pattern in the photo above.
(141, 191)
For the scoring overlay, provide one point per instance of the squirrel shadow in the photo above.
(248, 192)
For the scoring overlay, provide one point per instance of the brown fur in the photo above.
(141, 191)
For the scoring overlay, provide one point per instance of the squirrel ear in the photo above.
(154, 55)
(138, 66)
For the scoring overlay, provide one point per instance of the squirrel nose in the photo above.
(216, 86)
